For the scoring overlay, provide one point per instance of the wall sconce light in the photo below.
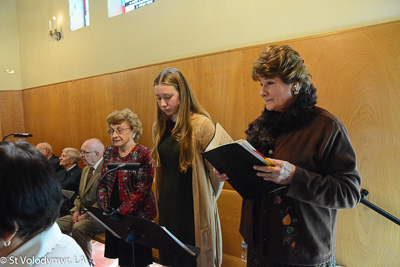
(54, 35)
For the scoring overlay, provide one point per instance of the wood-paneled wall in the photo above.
(356, 72)
(11, 113)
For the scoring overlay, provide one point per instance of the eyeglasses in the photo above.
(119, 131)
(86, 152)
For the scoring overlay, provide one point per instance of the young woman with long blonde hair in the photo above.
(186, 187)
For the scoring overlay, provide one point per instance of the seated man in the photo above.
(81, 225)
(47, 152)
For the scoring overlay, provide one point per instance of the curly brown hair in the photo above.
(283, 62)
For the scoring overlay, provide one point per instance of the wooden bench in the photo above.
(100, 238)
(229, 208)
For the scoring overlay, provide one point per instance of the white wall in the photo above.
(9, 46)
(172, 29)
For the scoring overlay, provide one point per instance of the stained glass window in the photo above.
(78, 14)
(118, 7)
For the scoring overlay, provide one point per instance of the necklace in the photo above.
(169, 126)
(123, 153)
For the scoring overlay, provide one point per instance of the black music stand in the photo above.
(133, 229)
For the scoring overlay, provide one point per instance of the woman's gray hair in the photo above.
(118, 117)
(73, 153)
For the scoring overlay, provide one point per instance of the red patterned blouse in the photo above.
(134, 186)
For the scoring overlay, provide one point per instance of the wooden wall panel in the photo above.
(356, 72)
(11, 113)
(66, 114)
(138, 95)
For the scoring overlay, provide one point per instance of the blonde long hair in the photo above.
(182, 131)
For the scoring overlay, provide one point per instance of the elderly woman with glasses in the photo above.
(127, 191)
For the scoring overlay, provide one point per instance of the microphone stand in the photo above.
(111, 212)
(364, 193)
(113, 167)
(5, 137)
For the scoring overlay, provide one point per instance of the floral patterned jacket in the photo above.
(134, 185)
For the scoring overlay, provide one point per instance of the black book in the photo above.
(236, 159)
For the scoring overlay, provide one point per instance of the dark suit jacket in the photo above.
(55, 162)
(70, 179)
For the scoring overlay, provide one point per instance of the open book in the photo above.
(236, 159)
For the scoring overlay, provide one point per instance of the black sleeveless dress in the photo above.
(175, 207)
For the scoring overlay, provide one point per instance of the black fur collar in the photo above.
(263, 131)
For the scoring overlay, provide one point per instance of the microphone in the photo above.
(113, 166)
(18, 135)
(123, 166)
(23, 135)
